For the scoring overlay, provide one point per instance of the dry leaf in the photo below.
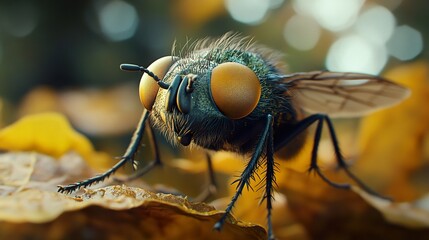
(408, 214)
(118, 212)
(22, 170)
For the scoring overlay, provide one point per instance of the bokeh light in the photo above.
(248, 11)
(406, 43)
(118, 20)
(275, 3)
(376, 24)
(363, 48)
(354, 53)
(333, 15)
(302, 32)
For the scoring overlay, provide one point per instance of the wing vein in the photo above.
(343, 94)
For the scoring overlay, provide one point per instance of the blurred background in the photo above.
(64, 55)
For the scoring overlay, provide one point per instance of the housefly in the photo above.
(235, 95)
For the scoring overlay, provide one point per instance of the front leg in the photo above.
(128, 157)
(270, 180)
(247, 174)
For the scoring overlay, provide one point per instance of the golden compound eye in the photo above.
(235, 89)
(148, 86)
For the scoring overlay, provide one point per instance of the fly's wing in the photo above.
(343, 94)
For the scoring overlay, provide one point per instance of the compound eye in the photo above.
(235, 89)
(148, 86)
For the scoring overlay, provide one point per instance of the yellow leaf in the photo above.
(391, 139)
(51, 134)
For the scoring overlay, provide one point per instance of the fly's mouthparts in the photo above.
(186, 139)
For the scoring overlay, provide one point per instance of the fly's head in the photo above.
(184, 111)
(204, 101)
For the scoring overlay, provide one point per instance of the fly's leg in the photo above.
(313, 165)
(342, 164)
(304, 124)
(128, 157)
(247, 174)
(270, 179)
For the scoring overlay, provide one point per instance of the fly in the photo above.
(235, 95)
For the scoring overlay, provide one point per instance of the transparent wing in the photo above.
(343, 94)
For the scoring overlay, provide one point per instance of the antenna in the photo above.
(137, 68)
